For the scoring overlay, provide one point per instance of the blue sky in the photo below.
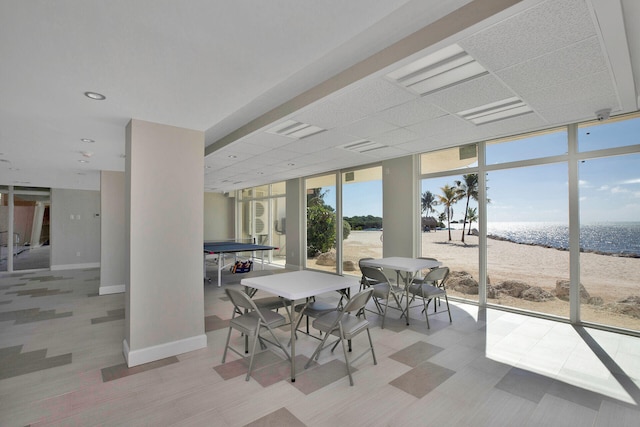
(609, 187)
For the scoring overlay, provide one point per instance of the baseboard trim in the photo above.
(112, 289)
(157, 352)
(75, 266)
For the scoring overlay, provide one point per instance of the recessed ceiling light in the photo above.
(87, 140)
(363, 146)
(83, 161)
(440, 70)
(291, 164)
(494, 111)
(95, 96)
(232, 156)
(86, 153)
(294, 129)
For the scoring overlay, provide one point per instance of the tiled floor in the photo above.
(61, 363)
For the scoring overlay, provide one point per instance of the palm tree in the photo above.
(428, 202)
(448, 198)
(467, 189)
(472, 216)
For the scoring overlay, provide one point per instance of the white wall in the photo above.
(296, 224)
(219, 216)
(113, 242)
(399, 206)
(75, 229)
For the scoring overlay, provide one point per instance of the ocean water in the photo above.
(607, 237)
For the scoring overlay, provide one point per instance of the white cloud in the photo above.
(603, 188)
(619, 190)
(631, 181)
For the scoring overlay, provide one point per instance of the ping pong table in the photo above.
(223, 248)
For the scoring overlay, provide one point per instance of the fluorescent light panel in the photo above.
(441, 69)
(294, 129)
(363, 146)
(494, 111)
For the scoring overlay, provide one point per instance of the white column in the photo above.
(164, 205)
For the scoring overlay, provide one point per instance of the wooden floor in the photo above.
(61, 364)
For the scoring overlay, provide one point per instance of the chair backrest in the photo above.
(437, 275)
(373, 274)
(361, 260)
(358, 301)
(240, 299)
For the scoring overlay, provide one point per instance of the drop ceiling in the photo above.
(289, 88)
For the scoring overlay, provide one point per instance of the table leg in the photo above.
(294, 322)
(406, 291)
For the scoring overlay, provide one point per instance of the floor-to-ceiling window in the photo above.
(561, 221)
(5, 241)
(261, 218)
(362, 216)
(610, 223)
(449, 215)
(322, 218)
(528, 221)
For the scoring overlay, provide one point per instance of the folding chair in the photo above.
(375, 279)
(432, 286)
(250, 320)
(345, 326)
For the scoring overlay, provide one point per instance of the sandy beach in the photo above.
(610, 278)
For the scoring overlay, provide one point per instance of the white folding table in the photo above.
(406, 268)
(298, 286)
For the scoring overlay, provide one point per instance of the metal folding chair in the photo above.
(250, 320)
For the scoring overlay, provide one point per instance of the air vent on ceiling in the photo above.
(441, 69)
(294, 129)
(363, 146)
(499, 110)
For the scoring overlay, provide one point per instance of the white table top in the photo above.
(409, 265)
(300, 284)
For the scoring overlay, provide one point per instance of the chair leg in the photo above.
(386, 307)
(317, 351)
(373, 353)
(278, 343)
(426, 313)
(346, 357)
(224, 355)
(253, 353)
(448, 309)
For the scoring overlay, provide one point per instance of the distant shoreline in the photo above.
(591, 251)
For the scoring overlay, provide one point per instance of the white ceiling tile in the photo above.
(570, 63)
(573, 92)
(395, 137)
(303, 146)
(445, 124)
(265, 139)
(410, 113)
(329, 139)
(328, 115)
(367, 128)
(374, 96)
(421, 145)
(473, 93)
(547, 27)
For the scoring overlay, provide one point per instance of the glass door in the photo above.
(31, 245)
